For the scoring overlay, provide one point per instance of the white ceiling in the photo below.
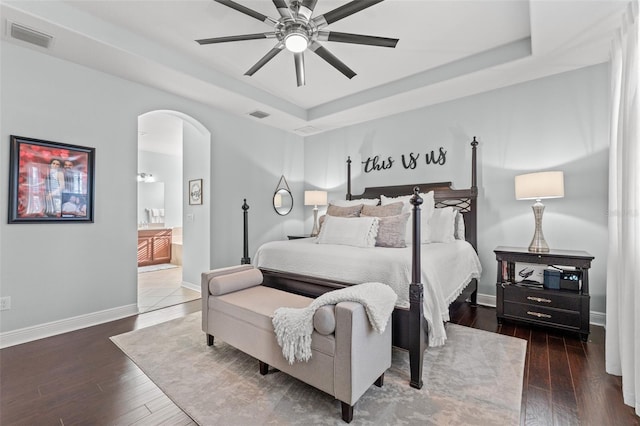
(447, 49)
(159, 131)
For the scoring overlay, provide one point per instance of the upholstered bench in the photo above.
(347, 354)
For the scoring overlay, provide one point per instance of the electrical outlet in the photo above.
(5, 303)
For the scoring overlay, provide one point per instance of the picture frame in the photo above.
(50, 181)
(195, 192)
(529, 272)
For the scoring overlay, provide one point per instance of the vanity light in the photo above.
(145, 177)
(538, 186)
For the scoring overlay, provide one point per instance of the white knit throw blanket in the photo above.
(293, 326)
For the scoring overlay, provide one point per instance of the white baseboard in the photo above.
(191, 286)
(595, 318)
(40, 331)
(486, 300)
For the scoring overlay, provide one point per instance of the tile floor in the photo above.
(159, 289)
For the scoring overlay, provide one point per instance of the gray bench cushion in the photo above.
(256, 305)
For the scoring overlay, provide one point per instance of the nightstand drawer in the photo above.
(542, 314)
(545, 298)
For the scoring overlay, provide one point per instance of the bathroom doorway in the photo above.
(161, 205)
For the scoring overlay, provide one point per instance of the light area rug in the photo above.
(474, 379)
(152, 268)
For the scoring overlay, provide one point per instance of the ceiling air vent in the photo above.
(20, 32)
(259, 114)
(307, 130)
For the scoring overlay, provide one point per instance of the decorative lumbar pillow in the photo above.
(442, 226)
(426, 210)
(460, 231)
(324, 320)
(229, 283)
(350, 211)
(349, 203)
(352, 231)
(392, 209)
(392, 231)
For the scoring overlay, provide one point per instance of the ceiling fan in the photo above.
(297, 31)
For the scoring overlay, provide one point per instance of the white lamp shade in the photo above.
(315, 198)
(537, 186)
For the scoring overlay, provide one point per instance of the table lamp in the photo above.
(538, 186)
(315, 199)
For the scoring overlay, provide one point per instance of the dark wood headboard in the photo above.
(464, 200)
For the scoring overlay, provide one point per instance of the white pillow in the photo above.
(442, 226)
(426, 210)
(349, 231)
(349, 203)
(460, 231)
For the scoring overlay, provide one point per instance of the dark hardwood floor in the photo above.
(81, 378)
(565, 382)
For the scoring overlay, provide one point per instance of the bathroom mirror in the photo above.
(150, 204)
(282, 198)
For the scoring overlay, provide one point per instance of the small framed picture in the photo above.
(195, 191)
(50, 181)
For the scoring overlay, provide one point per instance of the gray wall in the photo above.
(560, 123)
(60, 271)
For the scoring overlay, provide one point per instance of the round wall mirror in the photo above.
(282, 201)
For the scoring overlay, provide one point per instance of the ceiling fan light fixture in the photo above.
(296, 42)
(297, 30)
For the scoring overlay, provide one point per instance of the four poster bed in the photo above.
(303, 267)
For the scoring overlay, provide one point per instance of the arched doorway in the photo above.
(173, 149)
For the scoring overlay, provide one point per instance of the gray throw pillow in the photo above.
(350, 211)
(393, 209)
(392, 231)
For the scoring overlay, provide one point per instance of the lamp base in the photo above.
(538, 244)
(315, 230)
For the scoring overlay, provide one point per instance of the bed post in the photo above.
(245, 260)
(474, 194)
(348, 178)
(416, 298)
(474, 207)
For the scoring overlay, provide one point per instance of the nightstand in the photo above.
(296, 237)
(557, 308)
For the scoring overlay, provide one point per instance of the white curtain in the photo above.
(623, 267)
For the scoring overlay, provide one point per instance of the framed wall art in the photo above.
(195, 191)
(50, 181)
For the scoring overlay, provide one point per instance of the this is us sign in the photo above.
(409, 161)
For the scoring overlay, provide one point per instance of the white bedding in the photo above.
(446, 269)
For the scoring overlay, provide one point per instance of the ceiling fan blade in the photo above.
(329, 57)
(344, 11)
(299, 60)
(306, 8)
(247, 11)
(266, 58)
(357, 39)
(283, 8)
(236, 38)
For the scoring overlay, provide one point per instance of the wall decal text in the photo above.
(409, 161)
